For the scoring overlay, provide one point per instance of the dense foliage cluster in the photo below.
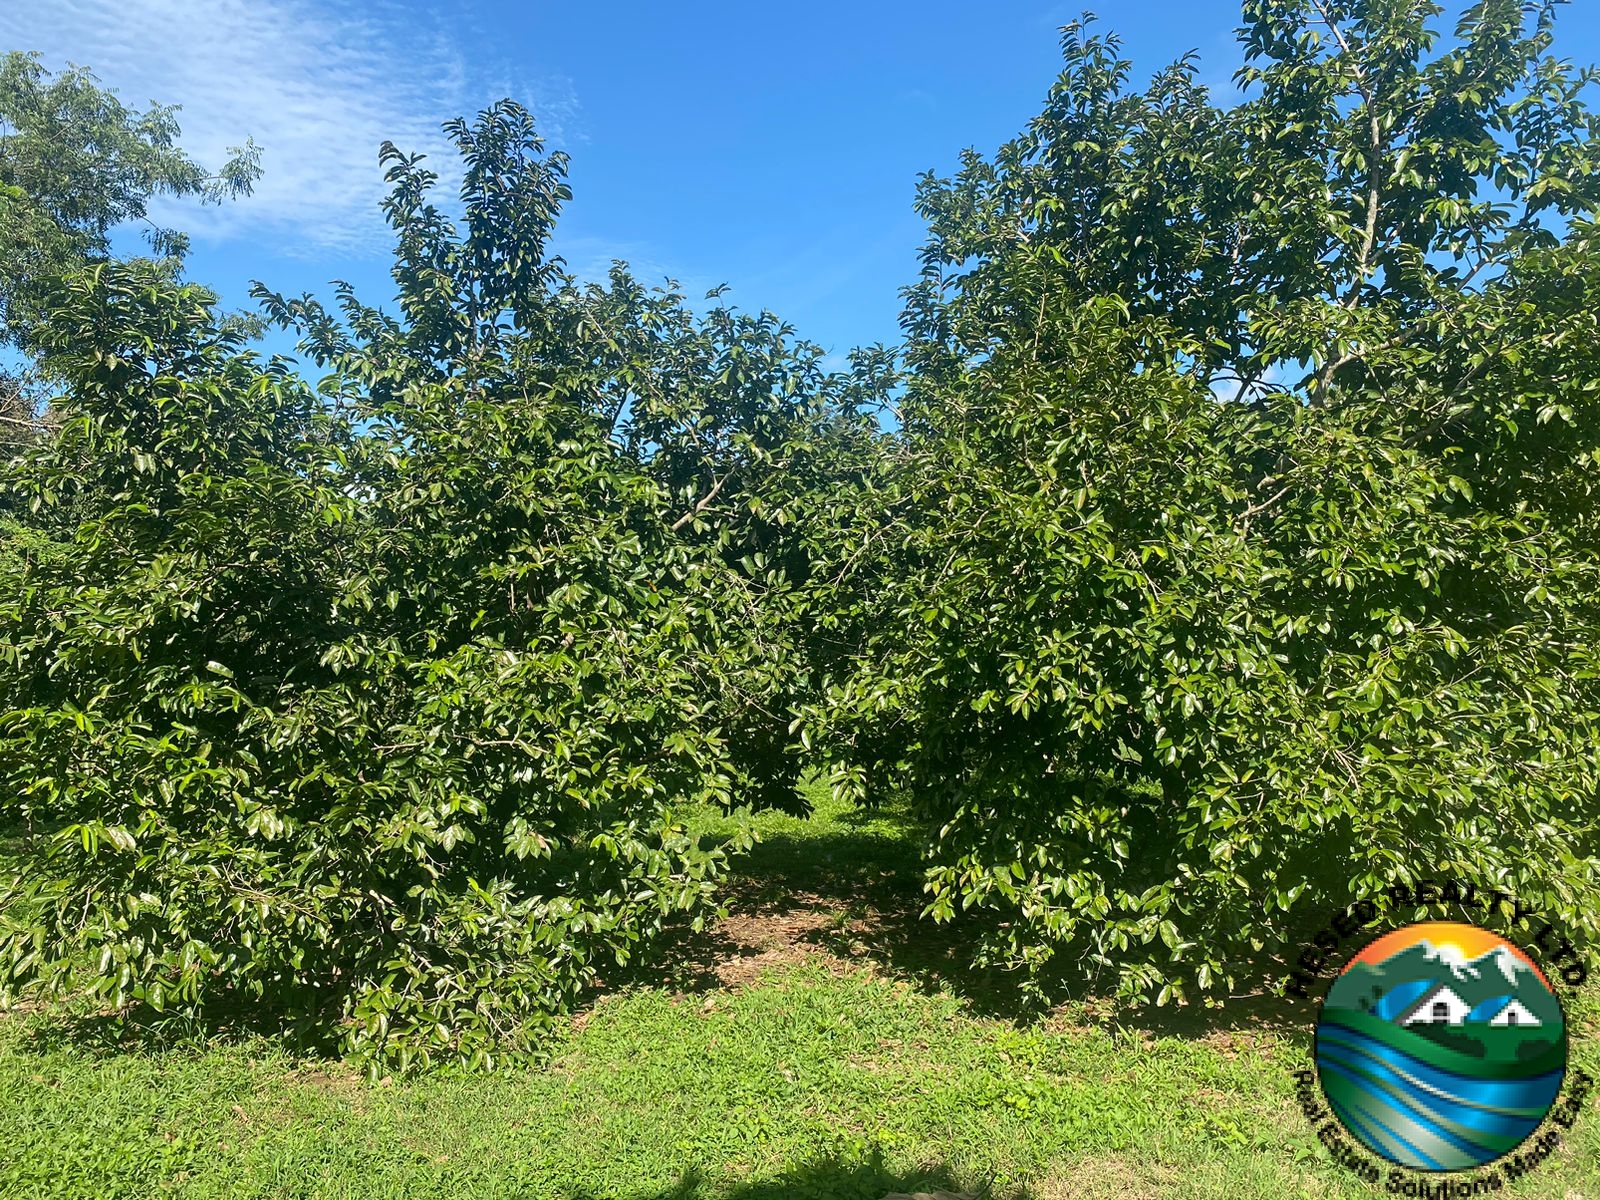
(1234, 555)
(75, 164)
(1250, 516)
(382, 704)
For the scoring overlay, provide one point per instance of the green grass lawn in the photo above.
(819, 1042)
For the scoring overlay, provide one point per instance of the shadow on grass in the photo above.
(827, 1179)
(855, 892)
(277, 1027)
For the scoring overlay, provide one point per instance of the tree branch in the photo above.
(1369, 234)
(1375, 147)
(1255, 510)
(701, 506)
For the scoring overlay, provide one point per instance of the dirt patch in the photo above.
(1234, 1043)
(765, 932)
(325, 1079)
(759, 942)
(849, 902)
(762, 932)
(350, 1087)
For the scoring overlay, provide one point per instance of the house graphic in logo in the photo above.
(1441, 1047)
(1438, 1006)
(1442, 1006)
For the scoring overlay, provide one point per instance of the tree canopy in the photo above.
(1233, 558)
(75, 164)
(1249, 497)
(381, 704)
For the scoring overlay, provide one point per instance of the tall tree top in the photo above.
(75, 163)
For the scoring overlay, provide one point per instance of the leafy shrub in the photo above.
(1248, 501)
(380, 706)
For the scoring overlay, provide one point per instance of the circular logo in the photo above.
(1441, 1047)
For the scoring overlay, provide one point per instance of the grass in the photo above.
(820, 1042)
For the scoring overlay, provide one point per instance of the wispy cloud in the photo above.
(590, 259)
(319, 85)
(918, 98)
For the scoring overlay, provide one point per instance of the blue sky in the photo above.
(773, 148)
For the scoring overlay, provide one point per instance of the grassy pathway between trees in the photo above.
(818, 1042)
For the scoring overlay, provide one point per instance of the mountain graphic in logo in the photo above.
(1441, 1047)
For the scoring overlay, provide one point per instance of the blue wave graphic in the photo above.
(1472, 1091)
(1421, 1116)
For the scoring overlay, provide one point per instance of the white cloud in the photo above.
(590, 258)
(318, 85)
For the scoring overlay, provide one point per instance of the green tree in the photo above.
(770, 459)
(381, 705)
(1249, 497)
(74, 165)
(760, 453)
